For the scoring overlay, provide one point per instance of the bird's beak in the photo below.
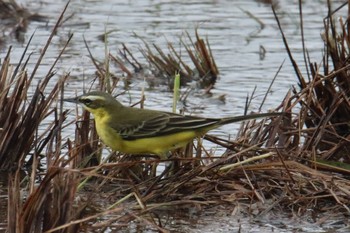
(72, 100)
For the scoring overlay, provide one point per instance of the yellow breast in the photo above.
(154, 145)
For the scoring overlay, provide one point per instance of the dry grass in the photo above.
(165, 64)
(16, 18)
(292, 163)
(35, 207)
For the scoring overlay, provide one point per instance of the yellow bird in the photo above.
(141, 131)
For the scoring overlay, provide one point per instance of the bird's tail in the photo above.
(229, 120)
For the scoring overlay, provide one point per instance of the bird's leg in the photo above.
(198, 154)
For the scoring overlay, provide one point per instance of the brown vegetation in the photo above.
(16, 18)
(295, 163)
(164, 66)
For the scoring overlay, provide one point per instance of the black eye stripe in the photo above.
(86, 101)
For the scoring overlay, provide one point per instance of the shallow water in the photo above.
(235, 37)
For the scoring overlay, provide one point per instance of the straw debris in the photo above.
(295, 163)
(15, 18)
(163, 65)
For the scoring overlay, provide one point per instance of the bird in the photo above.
(144, 131)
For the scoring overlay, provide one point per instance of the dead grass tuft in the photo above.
(164, 65)
(16, 18)
(293, 163)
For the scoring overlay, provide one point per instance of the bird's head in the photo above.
(96, 101)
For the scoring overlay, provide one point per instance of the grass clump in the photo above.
(296, 163)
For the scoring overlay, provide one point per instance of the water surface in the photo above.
(236, 39)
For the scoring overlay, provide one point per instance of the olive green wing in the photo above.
(164, 124)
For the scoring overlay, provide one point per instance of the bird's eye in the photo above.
(87, 102)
